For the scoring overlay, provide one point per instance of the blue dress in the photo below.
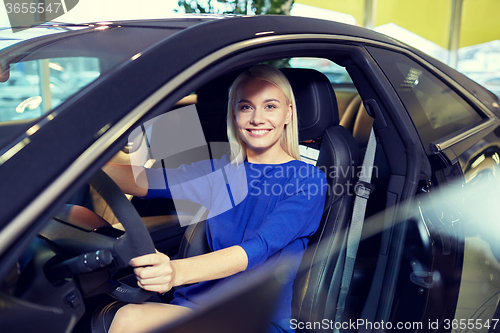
(269, 210)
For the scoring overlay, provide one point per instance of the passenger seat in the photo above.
(356, 120)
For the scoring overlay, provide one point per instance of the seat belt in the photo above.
(362, 189)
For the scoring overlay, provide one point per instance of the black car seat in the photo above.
(318, 281)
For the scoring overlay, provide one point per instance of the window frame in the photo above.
(489, 118)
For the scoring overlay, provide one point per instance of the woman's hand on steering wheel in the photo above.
(134, 243)
(154, 272)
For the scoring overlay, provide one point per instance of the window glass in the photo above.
(35, 87)
(436, 110)
(335, 73)
(338, 76)
(39, 74)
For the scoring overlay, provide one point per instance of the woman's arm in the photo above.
(123, 176)
(156, 272)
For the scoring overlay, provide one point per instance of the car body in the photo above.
(434, 127)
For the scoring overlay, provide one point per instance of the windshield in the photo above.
(41, 73)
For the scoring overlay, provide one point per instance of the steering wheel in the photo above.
(135, 242)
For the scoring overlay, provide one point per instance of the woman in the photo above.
(280, 208)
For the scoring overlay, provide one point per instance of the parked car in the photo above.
(159, 99)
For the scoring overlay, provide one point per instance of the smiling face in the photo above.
(261, 113)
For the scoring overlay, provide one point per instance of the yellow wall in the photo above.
(427, 18)
(353, 7)
(480, 22)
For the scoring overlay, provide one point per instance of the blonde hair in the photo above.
(290, 138)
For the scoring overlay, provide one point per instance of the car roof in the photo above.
(251, 26)
(241, 27)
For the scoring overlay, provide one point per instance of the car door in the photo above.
(454, 128)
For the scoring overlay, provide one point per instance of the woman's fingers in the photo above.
(154, 272)
(149, 272)
(148, 259)
(159, 280)
(158, 288)
(158, 283)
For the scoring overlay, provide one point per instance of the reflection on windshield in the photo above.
(38, 86)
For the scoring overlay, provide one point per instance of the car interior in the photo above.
(335, 125)
(335, 120)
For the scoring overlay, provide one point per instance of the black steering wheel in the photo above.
(135, 242)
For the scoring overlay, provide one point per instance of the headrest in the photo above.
(316, 102)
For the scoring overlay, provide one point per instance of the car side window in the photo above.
(334, 72)
(35, 87)
(343, 86)
(436, 110)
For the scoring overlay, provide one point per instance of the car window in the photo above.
(335, 73)
(39, 74)
(339, 78)
(35, 87)
(436, 109)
